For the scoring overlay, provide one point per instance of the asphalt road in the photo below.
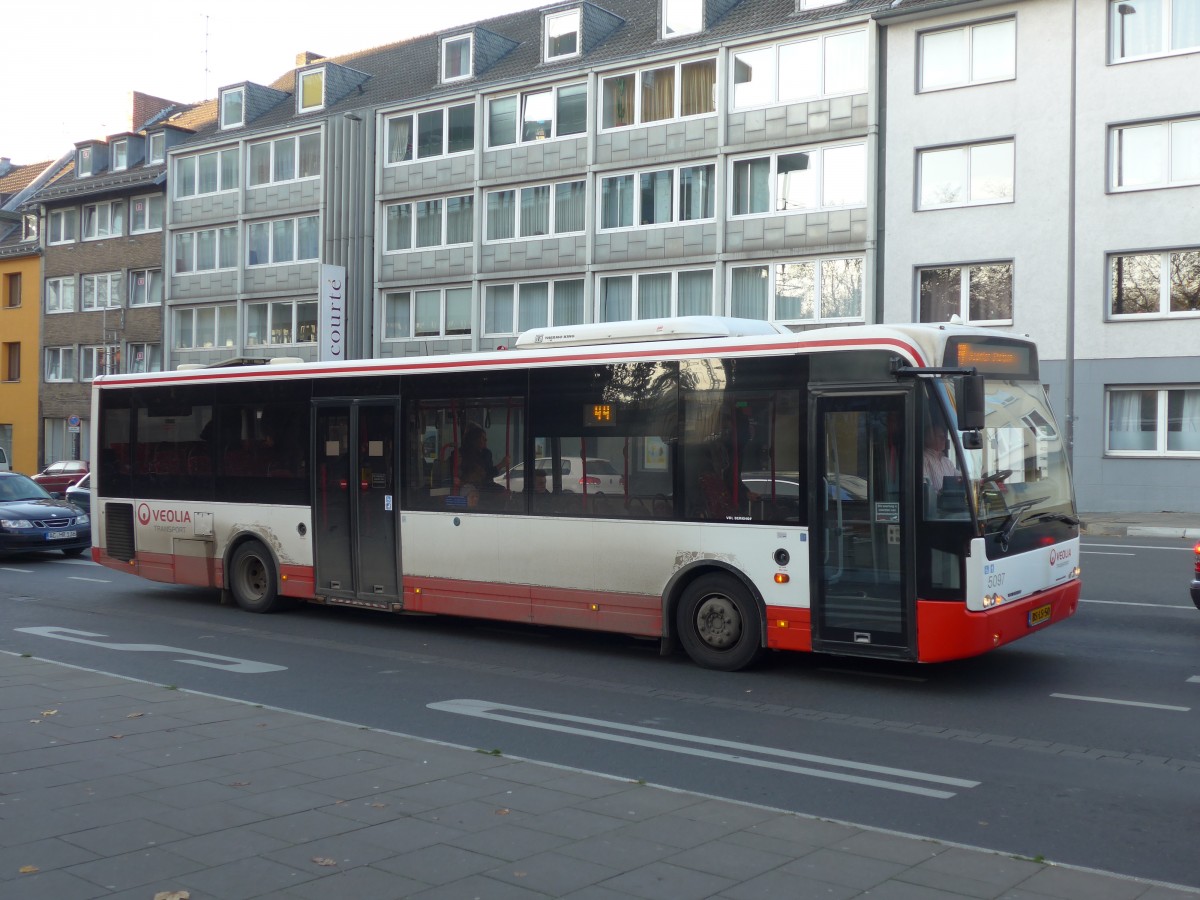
(1080, 744)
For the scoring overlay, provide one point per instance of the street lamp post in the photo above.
(1123, 10)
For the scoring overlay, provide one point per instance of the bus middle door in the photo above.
(355, 506)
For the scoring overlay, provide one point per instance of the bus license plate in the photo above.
(1039, 615)
(61, 535)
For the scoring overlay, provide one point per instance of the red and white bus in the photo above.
(725, 485)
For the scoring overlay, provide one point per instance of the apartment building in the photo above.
(1042, 175)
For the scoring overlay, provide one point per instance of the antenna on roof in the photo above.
(206, 69)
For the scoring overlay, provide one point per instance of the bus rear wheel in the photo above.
(719, 624)
(252, 579)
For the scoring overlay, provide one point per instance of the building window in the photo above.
(29, 227)
(158, 148)
(203, 327)
(680, 17)
(311, 94)
(537, 115)
(64, 223)
(536, 211)
(281, 322)
(285, 159)
(977, 54)
(429, 223)
(84, 160)
(435, 132)
(426, 314)
(284, 241)
(101, 291)
(650, 198)
(800, 181)
(103, 220)
(12, 361)
(206, 173)
(980, 294)
(60, 364)
(145, 287)
(233, 107)
(206, 251)
(1161, 154)
(966, 176)
(12, 290)
(826, 66)
(456, 57)
(98, 360)
(119, 153)
(146, 213)
(60, 295)
(513, 308)
(654, 95)
(654, 295)
(1154, 284)
(1140, 28)
(144, 358)
(562, 35)
(1154, 421)
(804, 291)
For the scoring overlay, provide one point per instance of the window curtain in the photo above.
(535, 211)
(616, 202)
(1138, 32)
(461, 128)
(1185, 24)
(1183, 420)
(617, 100)
(696, 192)
(748, 297)
(658, 94)
(397, 315)
(501, 215)
(568, 302)
(459, 216)
(429, 223)
(502, 122)
(569, 206)
(399, 139)
(283, 242)
(751, 186)
(498, 309)
(616, 299)
(656, 200)
(695, 293)
(654, 296)
(533, 305)
(1132, 420)
(697, 87)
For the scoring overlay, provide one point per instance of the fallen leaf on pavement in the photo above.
(324, 861)
(28, 870)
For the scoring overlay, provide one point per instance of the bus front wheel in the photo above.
(718, 623)
(252, 579)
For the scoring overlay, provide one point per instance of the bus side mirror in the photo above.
(969, 402)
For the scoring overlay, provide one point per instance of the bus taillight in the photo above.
(1196, 550)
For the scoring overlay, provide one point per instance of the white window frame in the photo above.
(414, 118)
(1162, 429)
(112, 282)
(969, 33)
(819, 4)
(694, 14)
(1164, 311)
(147, 277)
(516, 190)
(29, 227)
(1165, 153)
(562, 15)
(519, 119)
(271, 145)
(217, 234)
(293, 325)
(966, 162)
(636, 277)
(85, 159)
(676, 218)
(551, 286)
(157, 147)
(94, 360)
(445, 224)
(192, 162)
(777, 49)
(817, 151)
(1116, 24)
(442, 333)
(269, 224)
(65, 357)
(136, 217)
(469, 37)
(151, 360)
(677, 101)
(119, 154)
(964, 292)
(301, 78)
(224, 326)
(62, 220)
(772, 266)
(65, 285)
(240, 93)
(107, 220)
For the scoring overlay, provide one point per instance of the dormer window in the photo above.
(311, 90)
(562, 35)
(680, 17)
(83, 162)
(456, 57)
(233, 107)
(158, 148)
(29, 227)
(120, 155)
(817, 4)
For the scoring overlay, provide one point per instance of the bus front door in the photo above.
(862, 599)
(355, 506)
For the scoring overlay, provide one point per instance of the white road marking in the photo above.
(1131, 603)
(225, 663)
(76, 562)
(1104, 553)
(96, 580)
(18, 571)
(1187, 549)
(566, 724)
(1123, 702)
(1195, 679)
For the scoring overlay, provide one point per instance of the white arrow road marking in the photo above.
(1122, 702)
(227, 663)
(1195, 678)
(81, 578)
(482, 709)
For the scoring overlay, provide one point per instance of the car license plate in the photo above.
(1039, 615)
(61, 535)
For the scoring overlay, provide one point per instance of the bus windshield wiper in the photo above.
(996, 477)
(1015, 513)
(1056, 517)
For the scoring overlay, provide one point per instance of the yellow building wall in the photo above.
(20, 324)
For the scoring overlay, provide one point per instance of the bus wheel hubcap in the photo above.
(718, 622)
(254, 581)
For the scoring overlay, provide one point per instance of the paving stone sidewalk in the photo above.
(117, 788)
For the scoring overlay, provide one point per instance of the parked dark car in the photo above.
(30, 519)
(80, 493)
(59, 476)
(1196, 575)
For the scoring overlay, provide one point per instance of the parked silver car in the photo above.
(596, 477)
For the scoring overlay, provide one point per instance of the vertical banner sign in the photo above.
(332, 332)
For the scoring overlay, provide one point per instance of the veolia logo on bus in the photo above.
(332, 322)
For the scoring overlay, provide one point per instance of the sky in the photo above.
(69, 71)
